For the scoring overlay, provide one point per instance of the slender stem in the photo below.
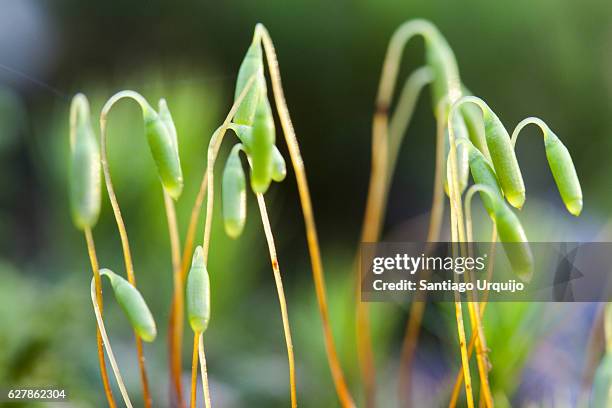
(174, 345)
(193, 226)
(455, 194)
(194, 369)
(281, 295)
(391, 65)
(481, 342)
(413, 324)
(465, 361)
(528, 121)
(91, 250)
(384, 159)
(437, 203)
(370, 233)
(455, 198)
(402, 114)
(79, 102)
(213, 149)
(125, 244)
(409, 342)
(204, 374)
(383, 101)
(175, 325)
(311, 233)
(146, 392)
(208, 180)
(107, 345)
(483, 306)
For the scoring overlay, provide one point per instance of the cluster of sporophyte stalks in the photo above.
(251, 119)
(470, 138)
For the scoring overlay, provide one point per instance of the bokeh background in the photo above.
(549, 59)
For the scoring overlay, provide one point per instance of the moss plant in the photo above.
(198, 312)
(257, 135)
(446, 86)
(476, 139)
(137, 312)
(297, 162)
(163, 144)
(251, 118)
(564, 173)
(470, 137)
(265, 167)
(85, 200)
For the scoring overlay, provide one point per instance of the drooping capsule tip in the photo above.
(233, 228)
(516, 199)
(149, 334)
(175, 189)
(259, 187)
(574, 206)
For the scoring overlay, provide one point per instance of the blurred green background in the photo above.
(549, 59)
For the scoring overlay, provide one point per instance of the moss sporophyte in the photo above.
(251, 119)
(470, 138)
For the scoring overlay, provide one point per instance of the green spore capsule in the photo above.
(233, 191)
(85, 180)
(503, 158)
(163, 145)
(252, 64)
(514, 240)
(261, 148)
(564, 172)
(475, 127)
(166, 118)
(483, 173)
(279, 168)
(134, 306)
(601, 394)
(244, 133)
(198, 293)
